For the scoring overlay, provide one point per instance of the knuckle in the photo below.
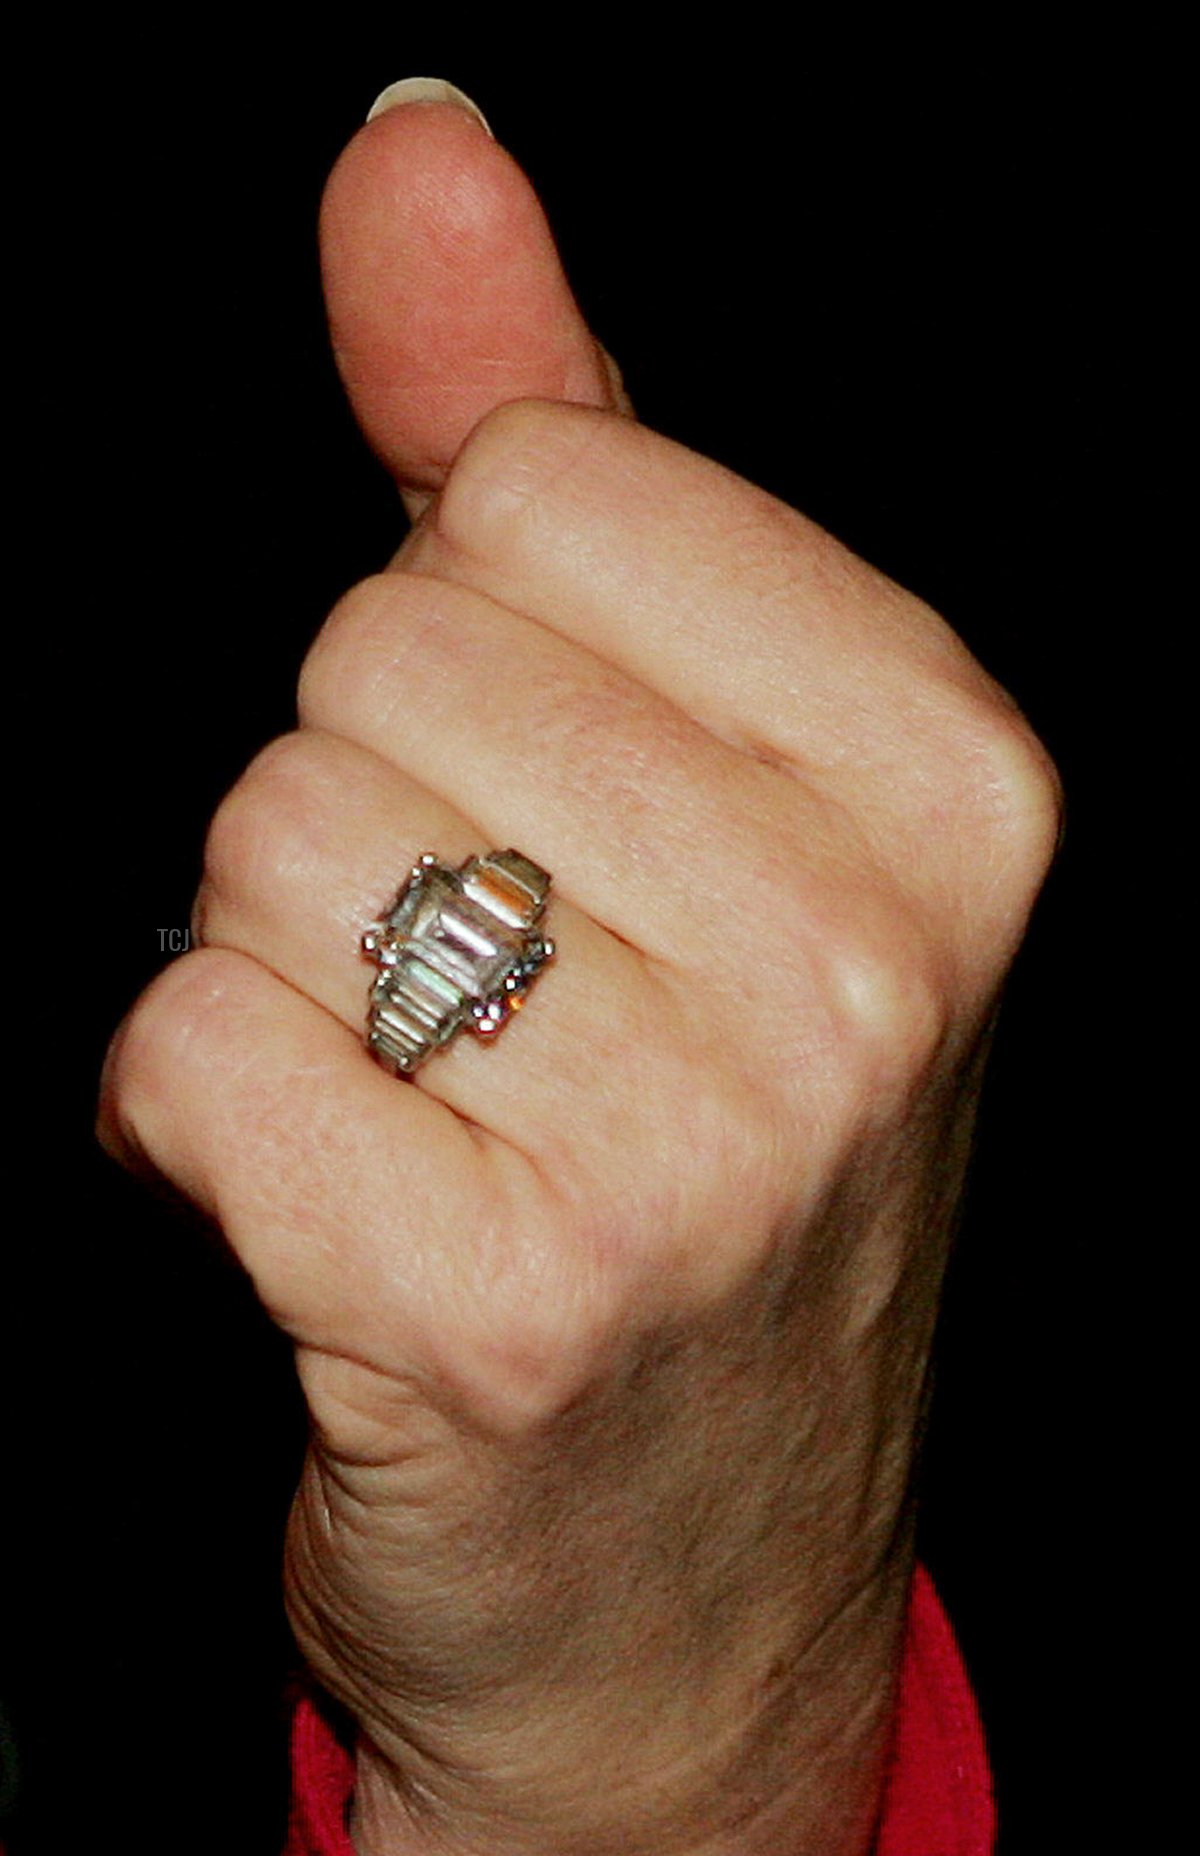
(502, 482)
(1014, 799)
(894, 999)
(991, 791)
(1026, 799)
(169, 1031)
(266, 830)
(351, 641)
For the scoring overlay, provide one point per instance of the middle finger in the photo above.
(634, 805)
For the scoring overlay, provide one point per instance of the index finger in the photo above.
(698, 584)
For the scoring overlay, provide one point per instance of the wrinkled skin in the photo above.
(614, 1333)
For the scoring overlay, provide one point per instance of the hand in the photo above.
(614, 1334)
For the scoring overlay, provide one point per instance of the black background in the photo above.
(929, 294)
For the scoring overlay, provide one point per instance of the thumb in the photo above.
(444, 289)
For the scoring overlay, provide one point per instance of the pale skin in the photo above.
(615, 1333)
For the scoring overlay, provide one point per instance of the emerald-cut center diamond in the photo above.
(458, 948)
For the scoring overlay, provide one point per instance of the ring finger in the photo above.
(309, 847)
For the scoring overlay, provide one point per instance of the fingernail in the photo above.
(425, 90)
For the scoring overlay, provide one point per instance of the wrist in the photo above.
(803, 1779)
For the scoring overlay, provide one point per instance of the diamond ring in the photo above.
(458, 950)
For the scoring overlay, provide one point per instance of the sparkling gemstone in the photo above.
(459, 941)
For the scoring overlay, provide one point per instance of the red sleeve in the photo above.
(938, 1800)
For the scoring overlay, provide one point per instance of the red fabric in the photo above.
(938, 1800)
